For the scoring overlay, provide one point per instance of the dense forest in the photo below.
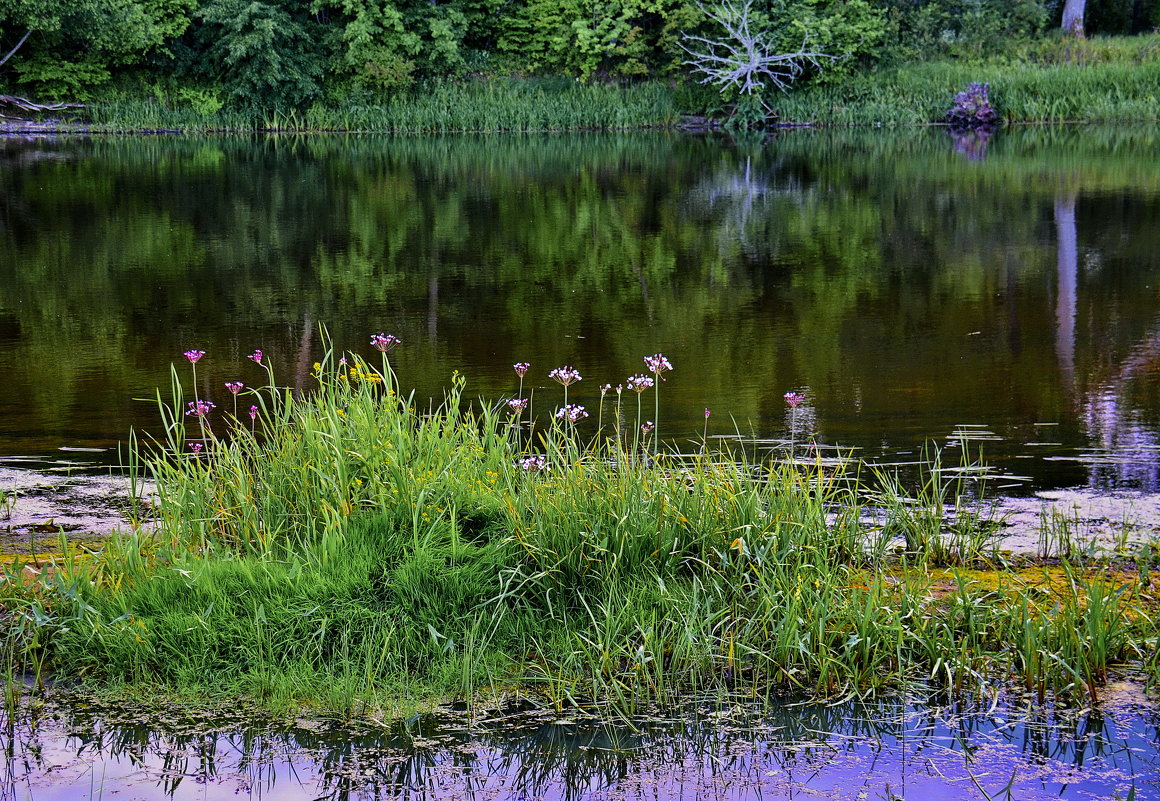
(213, 54)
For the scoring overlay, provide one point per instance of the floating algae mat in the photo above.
(893, 749)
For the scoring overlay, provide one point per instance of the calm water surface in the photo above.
(915, 288)
(850, 751)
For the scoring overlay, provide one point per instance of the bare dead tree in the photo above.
(744, 57)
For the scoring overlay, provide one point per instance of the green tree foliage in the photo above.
(259, 52)
(587, 37)
(387, 45)
(374, 45)
(292, 53)
(961, 27)
(642, 37)
(75, 44)
(853, 30)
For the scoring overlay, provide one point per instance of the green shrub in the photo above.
(261, 55)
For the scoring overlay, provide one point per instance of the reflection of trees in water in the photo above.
(852, 263)
(522, 755)
(1127, 443)
(16, 155)
(736, 195)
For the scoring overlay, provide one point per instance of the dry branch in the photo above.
(21, 104)
(743, 57)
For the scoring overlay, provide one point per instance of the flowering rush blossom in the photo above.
(647, 427)
(573, 413)
(517, 405)
(253, 412)
(605, 389)
(199, 407)
(255, 357)
(639, 383)
(194, 355)
(234, 387)
(658, 364)
(385, 343)
(533, 464)
(521, 368)
(707, 413)
(566, 375)
(793, 399)
(195, 447)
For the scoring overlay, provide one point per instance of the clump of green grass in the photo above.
(344, 547)
(476, 106)
(943, 519)
(920, 94)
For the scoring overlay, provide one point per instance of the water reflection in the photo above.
(972, 142)
(723, 750)
(1068, 271)
(911, 289)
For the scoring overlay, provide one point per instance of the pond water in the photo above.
(890, 749)
(916, 288)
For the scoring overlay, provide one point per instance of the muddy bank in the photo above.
(1080, 519)
(36, 506)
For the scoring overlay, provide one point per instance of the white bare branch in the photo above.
(26, 105)
(743, 57)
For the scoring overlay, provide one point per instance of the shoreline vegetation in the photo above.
(1115, 79)
(347, 550)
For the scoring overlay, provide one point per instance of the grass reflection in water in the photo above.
(891, 748)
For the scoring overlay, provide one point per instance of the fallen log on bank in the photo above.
(10, 104)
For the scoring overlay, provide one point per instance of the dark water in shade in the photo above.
(883, 750)
(916, 289)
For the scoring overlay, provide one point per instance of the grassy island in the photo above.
(346, 548)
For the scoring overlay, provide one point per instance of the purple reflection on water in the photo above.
(844, 751)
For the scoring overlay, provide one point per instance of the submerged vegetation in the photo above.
(348, 547)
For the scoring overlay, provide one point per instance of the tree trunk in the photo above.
(12, 52)
(1073, 17)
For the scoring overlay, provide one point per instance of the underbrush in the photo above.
(344, 547)
(1064, 49)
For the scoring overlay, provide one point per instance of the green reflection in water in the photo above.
(906, 283)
